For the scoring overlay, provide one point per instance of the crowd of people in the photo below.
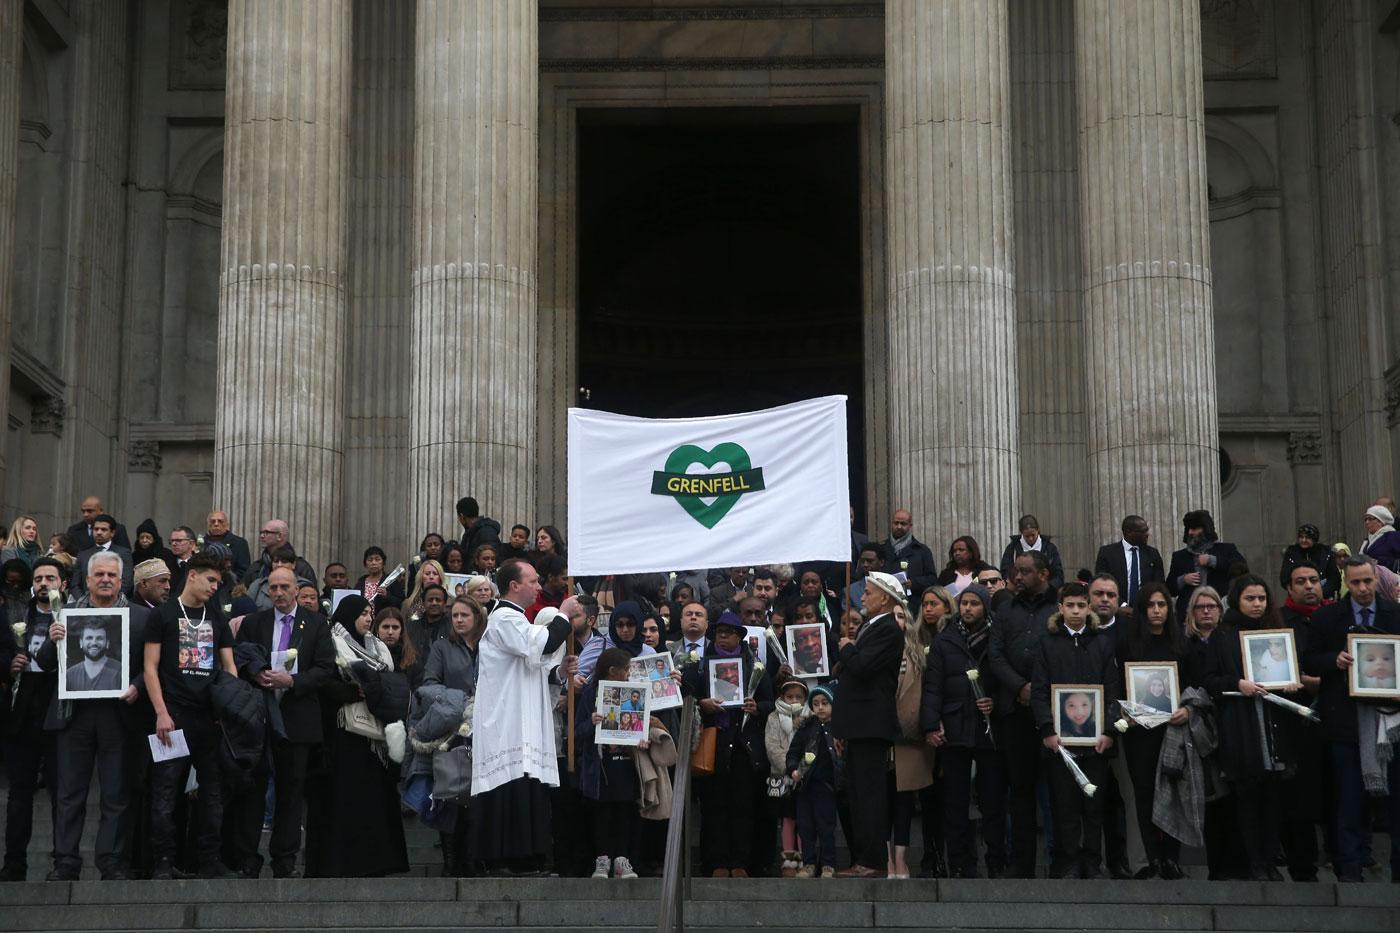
(462, 689)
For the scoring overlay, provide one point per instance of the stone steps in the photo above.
(552, 903)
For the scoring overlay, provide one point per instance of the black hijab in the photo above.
(627, 609)
(347, 612)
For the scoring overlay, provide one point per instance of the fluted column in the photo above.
(11, 34)
(952, 313)
(279, 429)
(474, 297)
(1148, 331)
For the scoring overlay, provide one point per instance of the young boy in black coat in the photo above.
(1073, 652)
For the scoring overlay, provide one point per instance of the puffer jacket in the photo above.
(1066, 658)
(242, 712)
(948, 699)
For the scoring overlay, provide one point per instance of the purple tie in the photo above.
(284, 640)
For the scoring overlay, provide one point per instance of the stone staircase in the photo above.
(789, 905)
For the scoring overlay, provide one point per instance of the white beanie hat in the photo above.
(1381, 514)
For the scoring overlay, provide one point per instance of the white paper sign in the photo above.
(338, 595)
(177, 748)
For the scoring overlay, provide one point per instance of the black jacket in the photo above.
(1321, 558)
(1112, 560)
(921, 571)
(24, 710)
(813, 737)
(485, 531)
(1217, 575)
(1011, 650)
(695, 681)
(867, 678)
(311, 637)
(238, 547)
(81, 535)
(242, 714)
(1062, 658)
(1327, 637)
(1048, 549)
(132, 715)
(948, 698)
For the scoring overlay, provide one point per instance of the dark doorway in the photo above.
(720, 262)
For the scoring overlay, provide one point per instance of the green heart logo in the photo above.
(725, 488)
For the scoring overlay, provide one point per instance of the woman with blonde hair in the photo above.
(23, 541)
(429, 573)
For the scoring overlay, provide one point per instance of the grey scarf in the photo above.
(901, 545)
(1377, 733)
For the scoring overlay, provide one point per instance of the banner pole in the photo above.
(572, 651)
(845, 595)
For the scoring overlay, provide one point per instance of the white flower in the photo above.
(809, 757)
(228, 609)
(694, 656)
(290, 658)
(973, 674)
(413, 618)
(758, 667)
(55, 600)
(465, 729)
(1089, 789)
(18, 628)
(199, 541)
(1121, 725)
(326, 605)
(341, 663)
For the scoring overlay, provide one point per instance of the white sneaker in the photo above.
(600, 866)
(623, 868)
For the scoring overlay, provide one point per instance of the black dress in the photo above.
(353, 826)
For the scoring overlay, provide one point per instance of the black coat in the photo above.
(921, 571)
(132, 715)
(867, 678)
(311, 637)
(1062, 658)
(1321, 558)
(1217, 576)
(1048, 549)
(1011, 651)
(695, 681)
(238, 547)
(24, 709)
(1242, 739)
(1112, 560)
(1327, 637)
(948, 698)
(81, 535)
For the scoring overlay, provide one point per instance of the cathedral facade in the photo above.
(344, 261)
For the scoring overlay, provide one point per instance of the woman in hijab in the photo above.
(624, 631)
(353, 826)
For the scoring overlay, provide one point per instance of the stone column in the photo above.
(954, 448)
(11, 35)
(474, 296)
(1152, 438)
(278, 432)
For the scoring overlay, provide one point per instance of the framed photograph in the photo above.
(455, 584)
(1270, 657)
(757, 637)
(94, 657)
(625, 711)
(1078, 712)
(727, 681)
(807, 652)
(654, 670)
(1374, 672)
(1153, 684)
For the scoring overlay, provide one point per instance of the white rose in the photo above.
(291, 658)
(809, 757)
(1089, 790)
(973, 674)
(1121, 725)
(18, 628)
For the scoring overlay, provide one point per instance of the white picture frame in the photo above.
(757, 638)
(107, 675)
(801, 640)
(625, 709)
(654, 670)
(1064, 707)
(1368, 678)
(450, 582)
(1270, 657)
(1141, 680)
(728, 692)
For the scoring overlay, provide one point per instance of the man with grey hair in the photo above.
(217, 531)
(93, 735)
(275, 534)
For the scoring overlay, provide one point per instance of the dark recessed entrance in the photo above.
(720, 262)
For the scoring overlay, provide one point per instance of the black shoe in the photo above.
(1092, 871)
(116, 874)
(163, 871)
(14, 871)
(1169, 870)
(1264, 873)
(252, 874)
(1119, 872)
(1349, 873)
(1150, 870)
(215, 869)
(62, 874)
(293, 872)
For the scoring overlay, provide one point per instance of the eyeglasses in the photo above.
(1212, 607)
(266, 531)
(988, 581)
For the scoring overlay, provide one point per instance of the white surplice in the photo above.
(513, 728)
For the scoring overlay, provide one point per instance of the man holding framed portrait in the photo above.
(1351, 715)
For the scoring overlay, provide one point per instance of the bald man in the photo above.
(81, 531)
(906, 554)
(219, 531)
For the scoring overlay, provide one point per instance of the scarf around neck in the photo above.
(1383, 530)
(900, 545)
(372, 651)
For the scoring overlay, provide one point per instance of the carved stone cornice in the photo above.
(47, 416)
(1304, 447)
(143, 457)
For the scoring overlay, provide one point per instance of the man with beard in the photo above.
(908, 555)
(95, 670)
(152, 583)
(1204, 561)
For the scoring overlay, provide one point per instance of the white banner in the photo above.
(762, 487)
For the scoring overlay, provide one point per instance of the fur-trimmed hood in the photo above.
(1054, 627)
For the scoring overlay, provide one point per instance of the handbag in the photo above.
(779, 786)
(356, 719)
(452, 773)
(702, 759)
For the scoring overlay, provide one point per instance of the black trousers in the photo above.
(572, 834)
(1257, 812)
(816, 823)
(1078, 819)
(867, 767)
(726, 810)
(931, 803)
(1141, 749)
(245, 819)
(1115, 820)
(616, 828)
(28, 750)
(957, 798)
(94, 739)
(168, 786)
(1019, 741)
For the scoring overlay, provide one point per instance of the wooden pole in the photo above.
(572, 650)
(845, 596)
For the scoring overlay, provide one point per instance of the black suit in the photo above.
(81, 533)
(1216, 575)
(867, 673)
(1112, 559)
(301, 718)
